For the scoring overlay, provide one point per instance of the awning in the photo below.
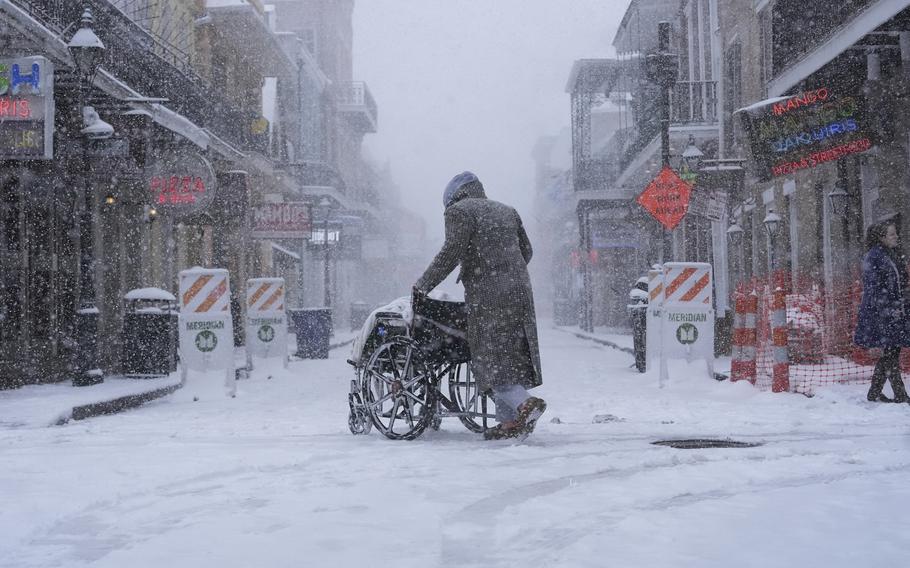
(864, 23)
(278, 248)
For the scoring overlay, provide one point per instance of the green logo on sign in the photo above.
(687, 334)
(266, 333)
(206, 341)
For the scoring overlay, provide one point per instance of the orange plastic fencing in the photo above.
(816, 348)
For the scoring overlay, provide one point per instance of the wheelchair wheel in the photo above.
(398, 389)
(359, 421)
(477, 408)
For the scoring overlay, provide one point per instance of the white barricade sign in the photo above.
(655, 303)
(266, 320)
(205, 328)
(688, 313)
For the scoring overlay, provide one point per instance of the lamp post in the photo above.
(325, 210)
(838, 198)
(662, 68)
(735, 234)
(86, 50)
(691, 160)
(772, 224)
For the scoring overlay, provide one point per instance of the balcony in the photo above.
(693, 102)
(594, 175)
(356, 103)
(149, 65)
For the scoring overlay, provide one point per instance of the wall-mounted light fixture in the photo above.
(838, 198)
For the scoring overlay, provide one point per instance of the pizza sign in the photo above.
(175, 190)
(180, 183)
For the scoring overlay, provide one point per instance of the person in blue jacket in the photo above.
(884, 310)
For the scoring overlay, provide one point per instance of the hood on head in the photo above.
(462, 186)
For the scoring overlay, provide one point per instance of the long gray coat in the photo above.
(489, 242)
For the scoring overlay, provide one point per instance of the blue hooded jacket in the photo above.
(883, 313)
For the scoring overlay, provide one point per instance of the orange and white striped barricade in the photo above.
(653, 322)
(206, 331)
(266, 319)
(688, 313)
(780, 380)
(745, 338)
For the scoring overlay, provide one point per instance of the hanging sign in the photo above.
(789, 134)
(282, 221)
(180, 183)
(666, 198)
(266, 326)
(26, 109)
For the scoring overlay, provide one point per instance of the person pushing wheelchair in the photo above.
(487, 239)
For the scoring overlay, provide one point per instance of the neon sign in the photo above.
(176, 190)
(26, 109)
(15, 108)
(799, 101)
(12, 79)
(804, 131)
(180, 183)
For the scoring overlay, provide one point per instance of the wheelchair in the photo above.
(409, 375)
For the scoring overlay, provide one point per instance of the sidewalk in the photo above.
(615, 338)
(37, 406)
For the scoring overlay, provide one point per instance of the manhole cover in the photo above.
(698, 443)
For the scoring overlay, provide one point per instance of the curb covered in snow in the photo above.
(595, 339)
(116, 405)
(608, 343)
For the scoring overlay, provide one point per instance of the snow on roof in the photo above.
(200, 270)
(150, 294)
(281, 249)
(760, 104)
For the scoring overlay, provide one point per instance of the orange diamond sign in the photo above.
(666, 198)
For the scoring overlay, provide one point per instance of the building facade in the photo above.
(242, 112)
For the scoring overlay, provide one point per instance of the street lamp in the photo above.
(324, 208)
(838, 198)
(87, 50)
(735, 234)
(772, 224)
(692, 155)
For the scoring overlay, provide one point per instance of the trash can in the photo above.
(360, 311)
(638, 315)
(313, 328)
(149, 336)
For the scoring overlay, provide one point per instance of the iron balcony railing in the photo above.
(355, 96)
(595, 174)
(149, 65)
(693, 102)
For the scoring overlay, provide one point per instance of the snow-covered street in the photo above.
(274, 478)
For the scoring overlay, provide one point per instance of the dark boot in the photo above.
(880, 398)
(879, 376)
(897, 385)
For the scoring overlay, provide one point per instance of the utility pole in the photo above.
(662, 68)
